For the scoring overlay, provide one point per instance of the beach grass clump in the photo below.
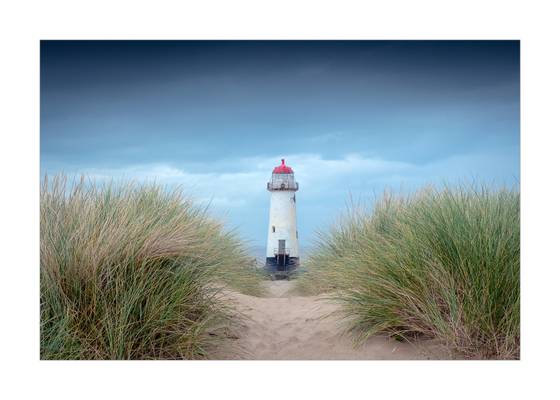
(131, 271)
(441, 264)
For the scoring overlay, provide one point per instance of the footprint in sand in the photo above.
(294, 328)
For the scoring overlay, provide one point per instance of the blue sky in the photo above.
(216, 117)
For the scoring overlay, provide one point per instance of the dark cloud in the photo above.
(445, 109)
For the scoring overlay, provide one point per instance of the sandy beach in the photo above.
(283, 326)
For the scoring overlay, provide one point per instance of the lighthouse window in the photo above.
(296, 235)
(273, 229)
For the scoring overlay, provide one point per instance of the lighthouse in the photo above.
(282, 249)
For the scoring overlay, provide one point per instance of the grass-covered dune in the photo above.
(438, 264)
(133, 271)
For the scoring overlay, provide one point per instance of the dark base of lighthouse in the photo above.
(281, 267)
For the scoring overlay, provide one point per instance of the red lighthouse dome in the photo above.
(283, 169)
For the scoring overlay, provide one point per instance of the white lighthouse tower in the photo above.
(282, 250)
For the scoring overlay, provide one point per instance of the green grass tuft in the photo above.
(440, 264)
(134, 272)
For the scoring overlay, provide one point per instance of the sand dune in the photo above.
(286, 327)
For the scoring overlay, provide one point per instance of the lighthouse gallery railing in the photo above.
(282, 186)
(286, 252)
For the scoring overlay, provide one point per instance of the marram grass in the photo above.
(133, 271)
(440, 264)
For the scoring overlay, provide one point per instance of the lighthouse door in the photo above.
(281, 247)
(281, 255)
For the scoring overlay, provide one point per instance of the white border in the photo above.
(23, 24)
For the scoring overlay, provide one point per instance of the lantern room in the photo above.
(282, 178)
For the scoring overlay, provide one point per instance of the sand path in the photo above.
(287, 327)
